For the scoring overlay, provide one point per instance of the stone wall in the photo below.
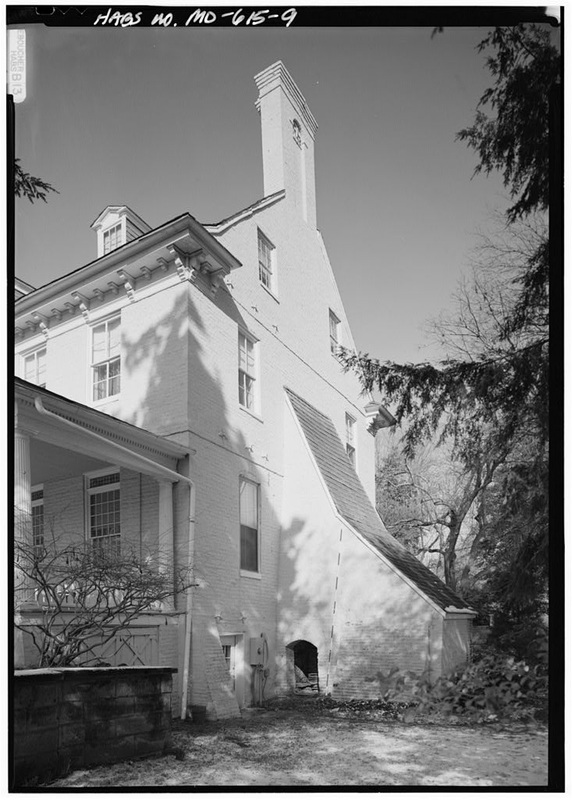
(76, 717)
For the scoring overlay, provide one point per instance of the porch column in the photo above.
(22, 485)
(22, 527)
(166, 535)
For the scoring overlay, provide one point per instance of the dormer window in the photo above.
(112, 239)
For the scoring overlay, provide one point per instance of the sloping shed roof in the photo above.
(354, 505)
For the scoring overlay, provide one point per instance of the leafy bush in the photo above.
(495, 687)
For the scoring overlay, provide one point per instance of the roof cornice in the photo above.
(169, 234)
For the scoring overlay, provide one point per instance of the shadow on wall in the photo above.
(362, 618)
(180, 361)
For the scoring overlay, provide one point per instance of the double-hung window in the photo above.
(35, 367)
(106, 359)
(334, 333)
(249, 525)
(104, 512)
(266, 266)
(351, 438)
(112, 239)
(38, 518)
(246, 372)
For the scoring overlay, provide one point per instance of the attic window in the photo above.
(334, 333)
(297, 132)
(266, 262)
(112, 239)
(351, 439)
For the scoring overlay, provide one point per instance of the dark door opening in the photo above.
(305, 666)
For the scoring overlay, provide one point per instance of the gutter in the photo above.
(157, 469)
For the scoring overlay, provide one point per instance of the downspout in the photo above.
(189, 610)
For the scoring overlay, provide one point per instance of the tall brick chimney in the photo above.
(288, 132)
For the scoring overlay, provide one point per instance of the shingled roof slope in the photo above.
(354, 505)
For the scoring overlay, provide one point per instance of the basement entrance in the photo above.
(305, 666)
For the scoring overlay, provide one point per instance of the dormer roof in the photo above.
(120, 211)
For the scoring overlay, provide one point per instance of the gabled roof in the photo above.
(143, 226)
(353, 504)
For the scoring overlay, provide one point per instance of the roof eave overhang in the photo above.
(72, 425)
(183, 233)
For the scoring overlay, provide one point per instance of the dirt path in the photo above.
(285, 748)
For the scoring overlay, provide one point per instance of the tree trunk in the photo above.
(449, 554)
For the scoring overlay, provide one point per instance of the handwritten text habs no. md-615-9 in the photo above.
(199, 16)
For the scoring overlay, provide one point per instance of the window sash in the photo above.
(246, 372)
(351, 451)
(106, 359)
(111, 239)
(38, 523)
(249, 525)
(265, 250)
(350, 439)
(104, 513)
(334, 332)
(35, 367)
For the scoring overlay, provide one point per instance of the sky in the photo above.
(163, 120)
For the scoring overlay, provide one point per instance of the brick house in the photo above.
(186, 380)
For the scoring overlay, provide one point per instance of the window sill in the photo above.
(270, 292)
(252, 414)
(244, 573)
(105, 401)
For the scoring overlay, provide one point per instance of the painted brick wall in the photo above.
(293, 329)
(361, 615)
(457, 639)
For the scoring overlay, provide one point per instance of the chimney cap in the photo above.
(276, 76)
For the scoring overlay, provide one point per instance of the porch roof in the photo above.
(70, 426)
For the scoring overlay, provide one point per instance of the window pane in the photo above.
(114, 336)
(99, 347)
(248, 504)
(41, 367)
(104, 514)
(30, 368)
(241, 352)
(248, 548)
(114, 386)
(38, 525)
(248, 393)
(351, 454)
(100, 373)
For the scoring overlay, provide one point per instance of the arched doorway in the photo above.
(303, 658)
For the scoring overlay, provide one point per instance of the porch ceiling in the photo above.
(50, 462)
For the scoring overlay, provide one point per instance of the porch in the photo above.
(101, 513)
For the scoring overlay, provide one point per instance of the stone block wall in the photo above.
(76, 717)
